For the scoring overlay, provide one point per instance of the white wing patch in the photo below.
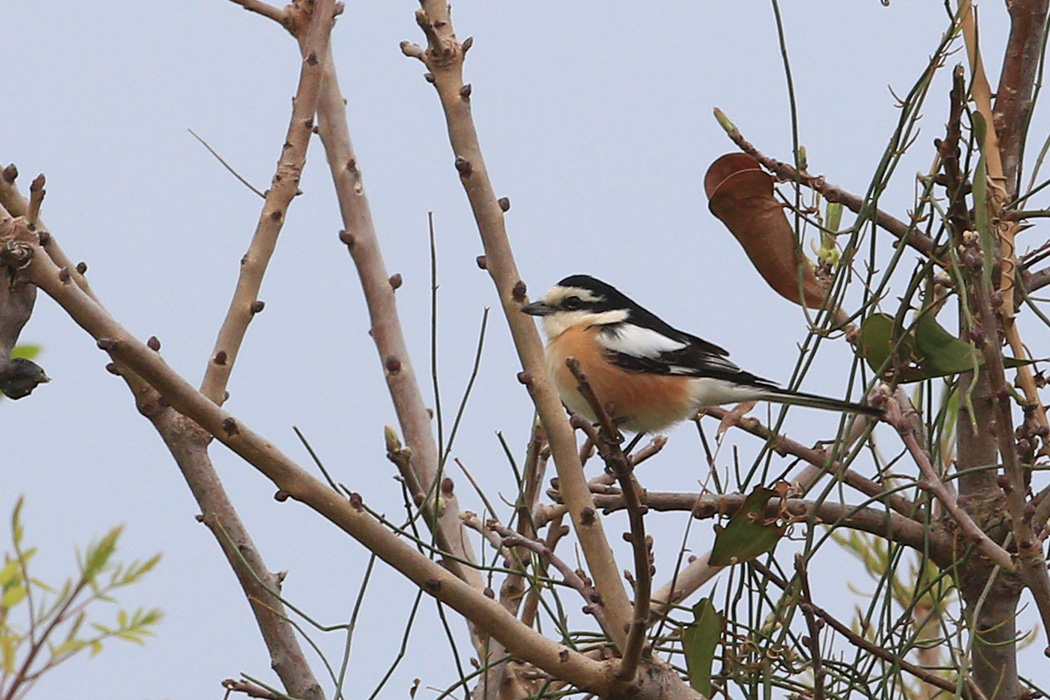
(637, 341)
(706, 391)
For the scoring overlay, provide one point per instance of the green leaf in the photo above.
(75, 627)
(98, 554)
(979, 128)
(980, 217)
(40, 584)
(8, 645)
(13, 595)
(11, 572)
(941, 352)
(833, 217)
(876, 341)
(27, 352)
(699, 641)
(748, 534)
(136, 570)
(16, 521)
(926, 351)
(68, 648)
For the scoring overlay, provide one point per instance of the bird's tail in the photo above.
(799, 398)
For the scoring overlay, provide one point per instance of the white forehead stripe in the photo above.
(556, 294)
(637, 341)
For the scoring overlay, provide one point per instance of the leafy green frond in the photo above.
(38, 635)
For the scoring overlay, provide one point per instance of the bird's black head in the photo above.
(580, 293)
(18, 377)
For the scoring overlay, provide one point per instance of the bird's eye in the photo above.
(573, 303)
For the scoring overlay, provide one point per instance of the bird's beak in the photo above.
(537, 308)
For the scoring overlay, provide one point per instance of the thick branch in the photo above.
(444, 58)
(1013, 98)
(188, 445)
(12, 200)
(297, 483)
(363, 243)
(1030, 553)
(890, 526)
(283, 188)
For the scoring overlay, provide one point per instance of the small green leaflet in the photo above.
(926, 351)
(699, 641)
(748, 534)
(27, 352)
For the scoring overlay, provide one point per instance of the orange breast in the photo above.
(642, 402)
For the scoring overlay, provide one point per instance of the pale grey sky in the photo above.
(595, 120)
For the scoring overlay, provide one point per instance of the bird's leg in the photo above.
(633, 443)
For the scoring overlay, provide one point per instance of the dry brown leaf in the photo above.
(740, 193)
(734, 416)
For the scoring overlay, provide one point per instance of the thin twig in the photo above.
(226, 165)
(812, 626)
(932, 482)
(555, 532)
(513, 588)
(585, 587)
(861, 642)
(607, 439)
(783, 445)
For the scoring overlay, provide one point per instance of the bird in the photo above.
(19, 376)
(651, 374)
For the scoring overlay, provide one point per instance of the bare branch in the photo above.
(783, 445)
(36, 198)
(607, 440)
(932, 482)
(698, 572)
(292, 480)
(891, 526)
(362, 242)
(583, 586)
(1013, 98)
(444, 58)
(12, 200)
(1032, 559)
(251, 690)
(267, 10)
(283, 189)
